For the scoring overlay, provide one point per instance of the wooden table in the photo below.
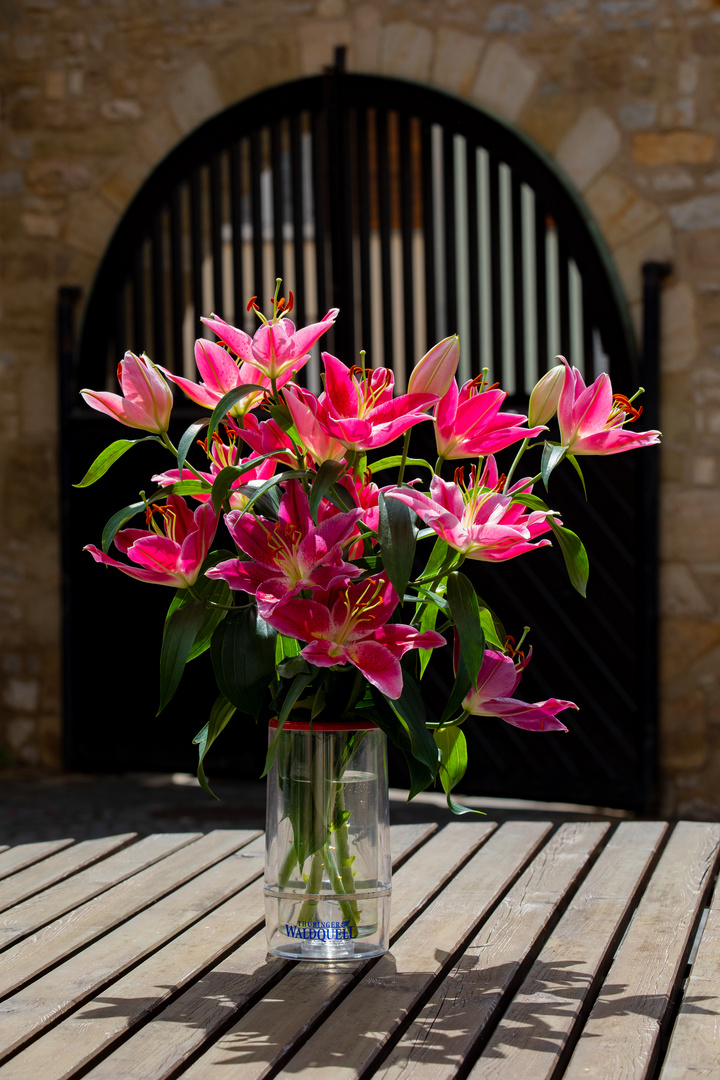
(520, 951)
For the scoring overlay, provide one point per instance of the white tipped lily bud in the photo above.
(434, 373)
(545, 396)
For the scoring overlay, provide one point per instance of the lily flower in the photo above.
(348, 624)
(289, 554)
(434, 373)
(220, 374)
(497, 680)
(309, 417)
(146, 400)
(222, 455)
(591, 418)
(468, 422)
(545, 395)
(479, 520)
(168, 553)
(267, 437)
(276, 349)
(358, 408)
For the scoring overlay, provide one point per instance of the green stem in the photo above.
(166, 441)
(403, 460)
(288, 865)
(516, 462)
(313, 887)
(211, 603)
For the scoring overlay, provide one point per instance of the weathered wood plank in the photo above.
(28, 916)
(55, 868)
(531, 1037)
(178, 1030)
(452, 1021)
(347, 1043)
(22, 855)
(621, 1035)
(63, 987)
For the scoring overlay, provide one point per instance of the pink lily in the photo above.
(434, 373)
(309, 415)
(267, 437)
(348, 623)
(223, 455)
(479, 520)
(220, 374)
(290, 554)
(591, 418)
(358, 408)
(365, 494)
(276, 349)
(497, 680)
(171, 555)
(468, 422)
(146, 400)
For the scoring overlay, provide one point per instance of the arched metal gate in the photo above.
(417, 215)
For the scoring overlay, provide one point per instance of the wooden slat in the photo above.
(352, 1037)
(16, 858)
(180, 1029)
(530, 1039)
(56, 867)
(37, 911)
(621, 1036)
(59, 990)
(466, 1001)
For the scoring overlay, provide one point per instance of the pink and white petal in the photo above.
(197, 542)
(119, 408)
(531, 717)
(306, 620)
(318, 653)
(342, 394)
(592, 407)
(218, 370)
(237, 340)
(198, 393)
(154, 577)
(400, 638)
(378, 665)
(295, 508)
(305, 338)
(240, 576)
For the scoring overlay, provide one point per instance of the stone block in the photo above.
(456, 59)
(57, 176)
(42, 225)
(508, 18)
(54, 85)
(680, 596)
(620, 211)
(318, 41)
(680, 113)
(674, 178)
(194, 97)
(638, 115)
(119, 188)
(704, 471)
(684, 644)
(89, 225)
(683, 732)
(366, 38)
(678, 541)
(653, 245)
(702, 212)
(156, 135)
(505, 80)
(406, 51)
(705, 248)
(712, 180)
(21, 695)
(121, 110)
(678, 328)
(589, 147)
(673, 148)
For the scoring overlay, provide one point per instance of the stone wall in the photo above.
(625, 94)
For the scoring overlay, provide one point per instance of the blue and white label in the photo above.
(315, 930)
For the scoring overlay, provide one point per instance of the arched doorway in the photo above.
(416, 214)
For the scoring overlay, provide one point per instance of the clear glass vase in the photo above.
(327, 858)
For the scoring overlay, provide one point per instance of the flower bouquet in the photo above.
(338, 578)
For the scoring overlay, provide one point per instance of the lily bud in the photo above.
(434, 373)
(545, 396)
(146, 399)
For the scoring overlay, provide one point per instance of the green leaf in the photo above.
(576, 466)
(181, 629)
(286, 648)
(397, 540)
(438, 557)
(189, 487)
(465, 611)
(461, 687)
(575, 556)
(222, 489)
(453, 762)
(117, 521)
(410, 708)
(421, 777)
(493, 629)
(187, 440)
(325, 477)
(221, 713)
(243, 656)
(394, 463)
(531, 501)
(552, 455)
(427, 622)
(298, 686)
(215, 591)
(108, 457)
(226, 403)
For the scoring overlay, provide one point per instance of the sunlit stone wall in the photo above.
(625, 94)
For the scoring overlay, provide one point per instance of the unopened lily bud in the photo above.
(434, 373)
(545, 396)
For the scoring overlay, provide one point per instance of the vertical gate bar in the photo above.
(139, 322)
(564, 290)
(473, 260)
(216, 223)
(364, 223)
(277, 201)
(196, 245)
(406, 217)
(518, 298)
(236, 215)
(385, 258)
(157, 283)
(319, 162)
(541, 287)
(339, 203)
(298, 217)
(495, 265)
(428, 230)
(258, 239)
(177, 299)
(451, 311)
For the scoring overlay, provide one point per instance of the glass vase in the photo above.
(327, 857)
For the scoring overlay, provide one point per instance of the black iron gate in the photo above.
(417, 215)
